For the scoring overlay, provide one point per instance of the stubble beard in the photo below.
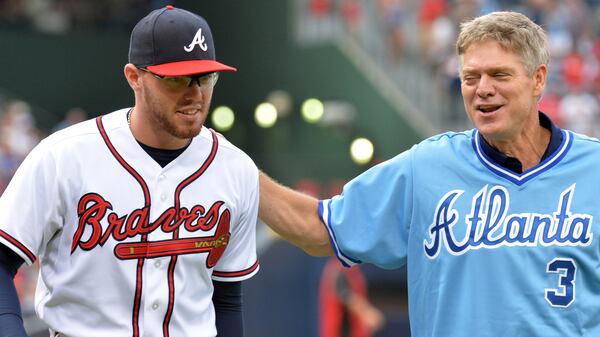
(160, 118)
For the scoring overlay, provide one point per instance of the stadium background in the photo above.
(383, 69)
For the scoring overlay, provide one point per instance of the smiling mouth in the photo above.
(189, 111)
(488, 108)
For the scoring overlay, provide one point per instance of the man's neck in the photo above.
(528, 148)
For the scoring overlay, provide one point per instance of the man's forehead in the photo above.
(490, 55)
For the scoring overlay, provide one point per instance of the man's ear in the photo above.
(540, 76)
(132, 75)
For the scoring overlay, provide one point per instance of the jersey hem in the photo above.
(16, 246)
(325, 215)
(232, 276)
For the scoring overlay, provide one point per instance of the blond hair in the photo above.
(513, 31)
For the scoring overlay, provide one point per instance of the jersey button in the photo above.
(161, 177)
(154, 306)
(163, 197)
(157, 263)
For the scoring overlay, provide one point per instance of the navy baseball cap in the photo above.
(174, 42)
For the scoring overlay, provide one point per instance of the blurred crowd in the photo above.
(61, 16)
(572, 96)
(19, 134)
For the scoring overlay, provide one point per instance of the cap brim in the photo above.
(191, 67)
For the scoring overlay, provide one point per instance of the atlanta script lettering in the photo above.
(489, 225)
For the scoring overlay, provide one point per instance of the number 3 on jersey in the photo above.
(564, 295)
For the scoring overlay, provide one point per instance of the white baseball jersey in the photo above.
(127, 247)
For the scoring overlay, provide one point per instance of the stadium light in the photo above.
(223, 118)
(265, 115)
(361, 151)
(312, 110)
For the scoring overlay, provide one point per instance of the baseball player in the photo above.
(143, 220)
(496, 224)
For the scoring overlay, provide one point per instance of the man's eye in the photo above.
(204, 80)
(175, 80)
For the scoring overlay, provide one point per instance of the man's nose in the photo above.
(194, 90)
(195, 82)
(485, 87)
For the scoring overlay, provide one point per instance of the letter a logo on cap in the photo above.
(198, 40)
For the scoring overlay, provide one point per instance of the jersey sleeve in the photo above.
(370, 220)
(240, 261)
(29, 205)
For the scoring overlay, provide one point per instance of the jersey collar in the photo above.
(510, 168)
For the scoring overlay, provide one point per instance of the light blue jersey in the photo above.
(489, 252)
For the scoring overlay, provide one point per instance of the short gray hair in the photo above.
(513, 31)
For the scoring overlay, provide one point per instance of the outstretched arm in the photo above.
(294, 216)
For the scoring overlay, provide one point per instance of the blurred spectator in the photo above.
(61, 16)
(8, 165)
(321, 15)
(49, 16)
(572, 68)
(320, 8)
(308, 186)
(391, 15)
(579, 110)
(488, 6)
(335, 187)
(442, 34)
(72, 116)
(18, 135)
(550, 104)
(17, 129)
(345, 310)
(352, 15)
(429, 12)
(12, 13)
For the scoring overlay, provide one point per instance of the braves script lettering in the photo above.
(489, 225)
(93, 209)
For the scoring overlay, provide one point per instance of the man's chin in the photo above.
(495, 135)
(187, 133)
